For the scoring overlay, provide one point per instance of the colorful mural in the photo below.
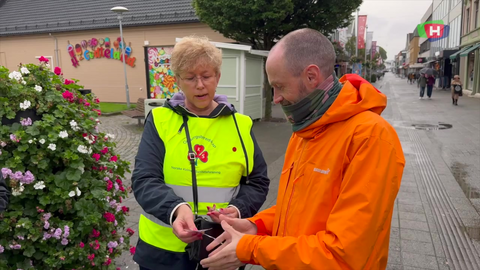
(80, 51)
(161, 78)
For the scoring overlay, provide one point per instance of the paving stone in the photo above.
(411, 208)
(418, 247)
(415, 235)
(419, 260)
(412, 216)
(394, 267)
(414, 225)
(395, 257)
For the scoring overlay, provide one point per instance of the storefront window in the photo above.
(470, 69)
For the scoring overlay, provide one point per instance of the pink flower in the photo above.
(43, 59)
(87, 104)
(104, 150)
(67, 82)
(98, 111)
(114, 159)
(68, 95)
(109, 185)
(125, 209)
(97, 100)
(109, 217)
(57, 71)
(82, 244)
(130, 231)
(132, 250)
(95, 234)
(91, 257)
(108, 262)
(96, 156)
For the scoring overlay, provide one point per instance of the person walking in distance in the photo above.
(422, 82)
(457, 89)
(430, 83)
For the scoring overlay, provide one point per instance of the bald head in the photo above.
(305, 47)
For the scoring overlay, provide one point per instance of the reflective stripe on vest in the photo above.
(220, 164)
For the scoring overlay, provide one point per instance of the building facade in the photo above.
(469, 56)
(85, 44)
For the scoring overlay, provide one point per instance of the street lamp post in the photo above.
(120, 11)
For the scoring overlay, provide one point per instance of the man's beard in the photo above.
(302, 93)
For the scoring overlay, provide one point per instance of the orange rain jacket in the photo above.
(337, 190)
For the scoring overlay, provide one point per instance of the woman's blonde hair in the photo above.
(192, 51)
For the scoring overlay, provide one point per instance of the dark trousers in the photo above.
(429, 90)
(422, 91)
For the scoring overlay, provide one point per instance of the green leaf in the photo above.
(44, 200)
(61, 181)
(23, 148)
(84, 207)
(29, 251)
(98, 193)
(74, 174)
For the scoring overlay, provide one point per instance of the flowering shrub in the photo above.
(64, 176)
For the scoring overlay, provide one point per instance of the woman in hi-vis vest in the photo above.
(195, 131)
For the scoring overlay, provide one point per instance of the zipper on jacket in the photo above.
(293, 187)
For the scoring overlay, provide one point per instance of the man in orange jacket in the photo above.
(341, 175)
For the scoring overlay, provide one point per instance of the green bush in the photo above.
(373, 78)
(65, 210)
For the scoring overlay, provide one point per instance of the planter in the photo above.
(85, 91)
(32, 113)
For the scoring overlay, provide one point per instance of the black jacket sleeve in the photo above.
(4, 194)
(253, 194)
(148, 182)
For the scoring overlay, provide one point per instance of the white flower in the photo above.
(82, 149)
(63, 134)
(15, 75)
(47, 65)
(17, 191)
(24, 82)
(39, 185)
(30, 141)
(42, 141)
(74, 125)
(111, 136)
(24, 70)
(25, 105)
(71, 193)
(89, 150)
(52, 147)
(38, 88)
(78, 191)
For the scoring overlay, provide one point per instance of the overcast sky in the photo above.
(392, 20)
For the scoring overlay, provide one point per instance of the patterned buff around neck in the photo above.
(312, 107)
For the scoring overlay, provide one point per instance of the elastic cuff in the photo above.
(233, 206)
(175, 209)
(245, 250)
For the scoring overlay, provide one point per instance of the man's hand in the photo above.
(184, 222)
(241, 225)
(230, 212)
(225, 256)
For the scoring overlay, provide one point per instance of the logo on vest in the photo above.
(200, 154)
(321, 171)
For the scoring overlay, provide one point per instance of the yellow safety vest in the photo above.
(220, 164)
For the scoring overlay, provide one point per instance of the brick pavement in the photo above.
(434, 225)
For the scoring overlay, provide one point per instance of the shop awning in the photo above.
(417, 65)
(453, 56)
(466, 52)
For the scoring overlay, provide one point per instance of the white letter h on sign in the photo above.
(435, 31)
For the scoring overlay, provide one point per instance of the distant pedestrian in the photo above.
(430, 84)
(422, 82)
(457, 89)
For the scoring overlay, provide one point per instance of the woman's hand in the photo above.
(230, 212)
(184, 225)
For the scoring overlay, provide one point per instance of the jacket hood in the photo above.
(177, 103)
(356, 96)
